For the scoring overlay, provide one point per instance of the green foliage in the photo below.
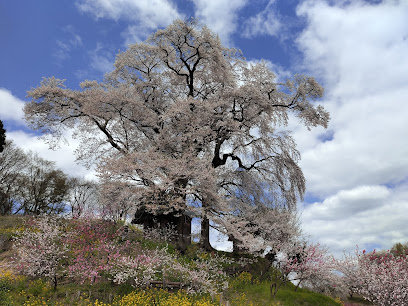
(399, 249)
(38, 288)
(192, 251)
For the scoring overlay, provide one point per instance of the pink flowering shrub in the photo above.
(94, 246)
(41, 250)
(383, 278)
(304, 263)
(380, 277)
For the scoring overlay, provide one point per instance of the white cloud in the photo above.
(357, 45)
(67, 45)
(220, 16)
(360, 53)
(11, 108)
(135, 33)
(63, 157)
(367, 216)
(101, 60)
(264, 23)
(364, 72)
(144, 15)
(153, 13)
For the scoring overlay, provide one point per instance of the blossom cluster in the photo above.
(41, 250)
(93, 248)
(380, 277)
(383, 278)
(89, 250)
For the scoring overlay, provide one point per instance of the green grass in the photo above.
(246, 291)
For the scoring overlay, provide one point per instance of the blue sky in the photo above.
(356, 170)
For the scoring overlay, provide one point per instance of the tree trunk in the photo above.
(186, 233)
(205, 235)
(298, 285)
(183, 232)
(236, 249)
(55, 282)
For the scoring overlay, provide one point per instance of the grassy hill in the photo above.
(245, 286)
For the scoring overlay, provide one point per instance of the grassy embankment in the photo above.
(244, 289)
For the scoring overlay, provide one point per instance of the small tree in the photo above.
(93, 248)
(379, 277)
(349, 274)
(302, 262)
(41, 250)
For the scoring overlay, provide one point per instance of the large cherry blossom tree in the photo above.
(178, 122)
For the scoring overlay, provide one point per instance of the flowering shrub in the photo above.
(141, 268)
(379, 277)
(203, 275)
(383, 278)
(41, 250)
(11, 230)
(93, 248)
(308, 263)
(243, 279)
(89, 250)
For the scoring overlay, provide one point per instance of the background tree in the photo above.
(30, 184)
(2, 137)
(400, 249)
(83, 197)
(45, 187)
(12, 162)
(180, 118)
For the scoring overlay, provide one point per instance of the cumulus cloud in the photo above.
(11, 107)
(153, 12)
(136, 33)
(11, 110)
(368, 216)
(144, 15)
(63, 157)
(359, 51)
(364, 72)
(266, 22)
(220, 16)
(359, 47)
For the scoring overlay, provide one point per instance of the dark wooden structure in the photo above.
(165, 284)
